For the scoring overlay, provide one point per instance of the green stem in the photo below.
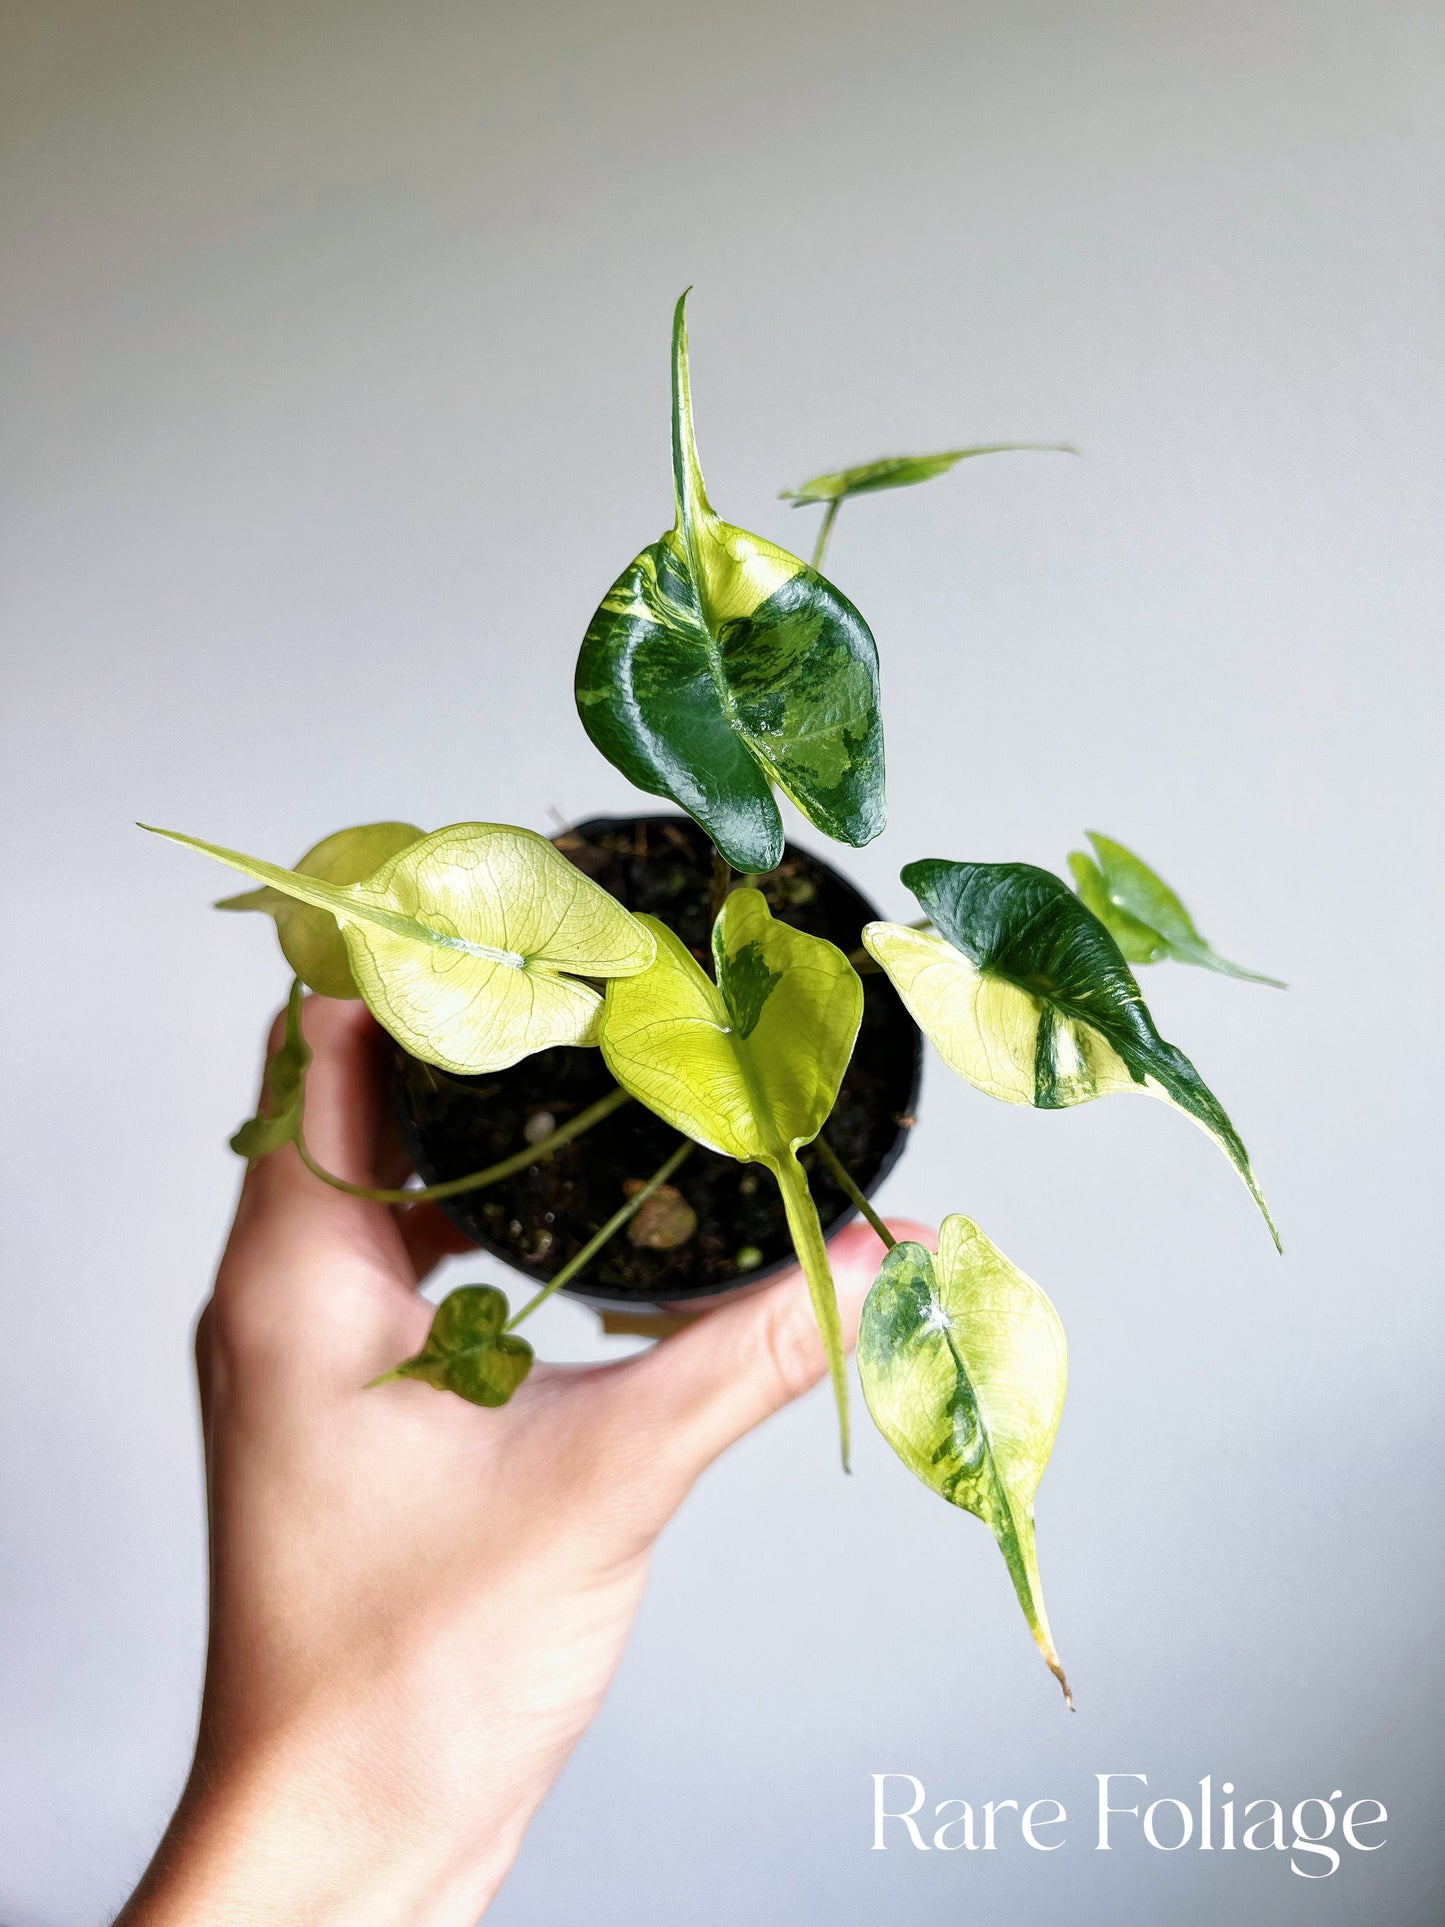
(830, 516)
(841, 1175)
(807, 1236)
(476, 1180)
(595, 1243)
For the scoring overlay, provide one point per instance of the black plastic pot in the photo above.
(537, 1220)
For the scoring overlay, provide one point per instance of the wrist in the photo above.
(298, 1837)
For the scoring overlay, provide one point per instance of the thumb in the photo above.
(703, 1389)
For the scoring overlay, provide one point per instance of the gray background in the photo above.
(334, 396)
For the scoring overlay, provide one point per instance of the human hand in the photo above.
(417, 1606)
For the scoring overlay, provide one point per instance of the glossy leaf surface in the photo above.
(964, 1368)
(902, 471)
(310, 940)
(467, 1351)
(1026, 994)
(719, 665)
(279, 1116)
(1142, 911)
(468, 945)
(749, 1065)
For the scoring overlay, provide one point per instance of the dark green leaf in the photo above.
(1139, 907)
(283, 1091)
(719, 665)
(1025, 993)
(468, 1351)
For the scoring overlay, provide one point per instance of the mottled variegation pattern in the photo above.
(468, 945)
(964, 1368)
(310, 940)
(749, 1065)
(1146, 917)
(719, 665)
(1026, 994)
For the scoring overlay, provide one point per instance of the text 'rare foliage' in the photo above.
(719, 665)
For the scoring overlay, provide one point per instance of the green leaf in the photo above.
(283, 1091)
(468, 945)
(1138, 944)
(310, 940)
(749, 1065)
(719, 665)
(1141, 909)
(964, 1368)
(1025, 993)
(468, 1350)
(902, 471)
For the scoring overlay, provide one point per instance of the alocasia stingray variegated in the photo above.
(1146, 917)
(1025, 993)
(718, 665)
(964, 1367)
(470, 945)
(749, 1065)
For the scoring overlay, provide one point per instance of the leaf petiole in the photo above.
(830, 516)
(595, 1243)
(843, 1177)
(475, 1180)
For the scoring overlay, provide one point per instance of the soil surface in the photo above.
(540, 1218)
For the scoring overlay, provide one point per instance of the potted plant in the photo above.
(642, 1058)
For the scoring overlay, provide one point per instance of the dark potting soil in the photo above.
(543, 1216)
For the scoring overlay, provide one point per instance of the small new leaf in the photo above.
(964, 1368)
(469, 945)
(902, 471)
(1024, 992)
(468, 1349)
(283, 1092)
(310, 940)
(719, 665)
(1146, 917)
(749, 1065)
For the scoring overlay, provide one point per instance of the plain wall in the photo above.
(335, 394)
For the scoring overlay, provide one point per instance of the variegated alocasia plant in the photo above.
(718, 670)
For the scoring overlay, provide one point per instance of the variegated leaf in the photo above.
(964, 1368)
(718, 665)
(469, 946)
(310, 940)
(1025, 993)
(749, 1065)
